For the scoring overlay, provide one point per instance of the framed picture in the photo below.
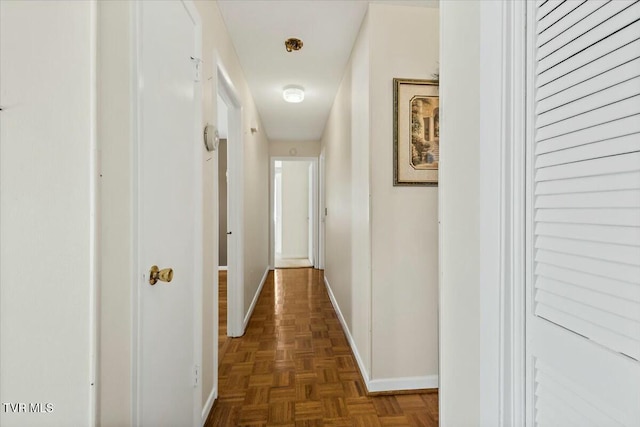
(416, 132)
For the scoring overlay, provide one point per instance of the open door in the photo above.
(294, 206)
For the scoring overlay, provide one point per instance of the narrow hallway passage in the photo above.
(294, 367)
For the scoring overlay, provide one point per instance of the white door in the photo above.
(170, 215)
(583, 293)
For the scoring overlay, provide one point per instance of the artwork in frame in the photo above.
(416, 132)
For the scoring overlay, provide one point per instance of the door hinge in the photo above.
(196, 375)
(197, 62)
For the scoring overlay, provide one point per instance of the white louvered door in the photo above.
(583, 255)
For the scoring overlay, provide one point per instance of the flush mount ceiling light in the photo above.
(293, 94)
(293, 44)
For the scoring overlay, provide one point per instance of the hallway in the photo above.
(294, 367)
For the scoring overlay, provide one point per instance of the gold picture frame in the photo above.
(416, 132)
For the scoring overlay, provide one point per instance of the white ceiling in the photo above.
(328, 29)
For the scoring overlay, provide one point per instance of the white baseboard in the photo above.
(293, 256)
(347, 332)
(222, 268)
(384, 384)
(255, 300)
(209, 405)
(404, 383)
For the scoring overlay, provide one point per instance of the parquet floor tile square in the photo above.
(294, 366)
(309, 410)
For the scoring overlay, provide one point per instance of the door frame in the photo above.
(503, 132)
(314, 209)
(136, 167)
(321, 210)
(227, 91)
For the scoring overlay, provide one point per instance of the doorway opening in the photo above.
(223, 211)
(294, 212)
(230, 187)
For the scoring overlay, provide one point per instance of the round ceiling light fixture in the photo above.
(294, 94)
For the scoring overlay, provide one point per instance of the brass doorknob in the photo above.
(164, 275)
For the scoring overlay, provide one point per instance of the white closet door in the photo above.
(583, 308)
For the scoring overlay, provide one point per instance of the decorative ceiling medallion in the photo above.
(293, 44)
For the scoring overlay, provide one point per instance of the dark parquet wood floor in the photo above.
(223, 339)
(294, 367)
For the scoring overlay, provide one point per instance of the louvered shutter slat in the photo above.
(611, 147)
(598, 267)
(579, 12)
(599, 52)
(546, 7)
(613, 199)
(606, 286)
(598, 166)
(605, 64)
(619, 181)
(610, 111)
(591, 102)
(555, 310)
(603, 216)
(591, 233)
(597, 250)
(593, 84)
(627, 125)
(607, 303)
(557, 14)
(602, 23)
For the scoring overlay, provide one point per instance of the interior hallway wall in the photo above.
(345, 144)
(405, 43)
(382, 241)
(217, 45)
(294, 148)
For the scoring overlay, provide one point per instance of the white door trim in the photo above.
(136, 138)
(235, 193)
(321, 210)
(502, 214)
(314, 210)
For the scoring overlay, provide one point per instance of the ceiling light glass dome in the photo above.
(293, 94)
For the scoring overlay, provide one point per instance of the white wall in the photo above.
(295, 209)
(217, 45)
(382, 241)
(47, 205)
(404, 43)
(345, 144)
(300, 148)
(459, 214)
